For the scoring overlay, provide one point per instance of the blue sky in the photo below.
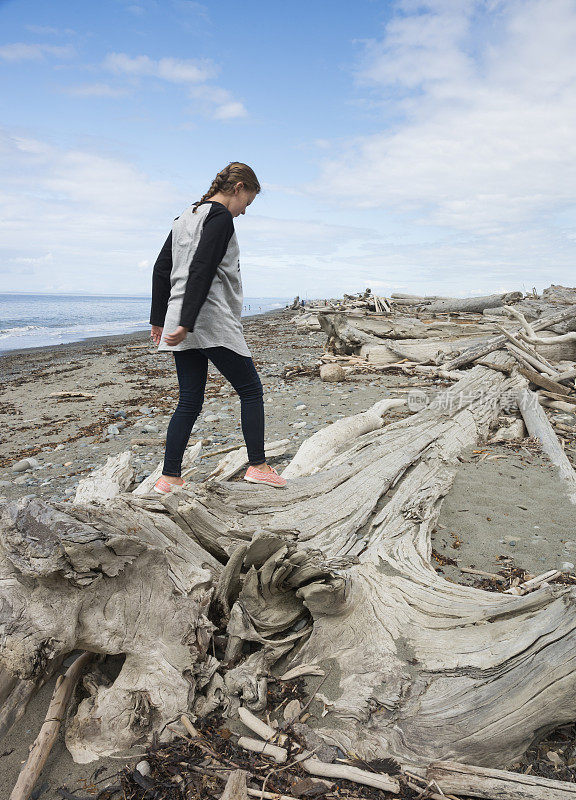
(411, 146)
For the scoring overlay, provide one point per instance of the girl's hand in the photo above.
(172, 339)
(156, 334)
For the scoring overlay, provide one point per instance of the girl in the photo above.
(196, 313)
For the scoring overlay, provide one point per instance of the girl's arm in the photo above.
(161, 284)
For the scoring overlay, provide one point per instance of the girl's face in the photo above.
(240, 201)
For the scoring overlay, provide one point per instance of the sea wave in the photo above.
(18, 330)
(65, 330)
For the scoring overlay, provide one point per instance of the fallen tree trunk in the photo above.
(333, 573)
(428, 351)
(539, 427)
(493, 783)
(474, 304)
(323, 445)
(347, 334)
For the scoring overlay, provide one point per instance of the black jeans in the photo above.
(192, 370)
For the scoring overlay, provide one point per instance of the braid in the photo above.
(217, 185)
(225, 181)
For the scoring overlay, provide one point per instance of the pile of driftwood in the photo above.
(193, 602)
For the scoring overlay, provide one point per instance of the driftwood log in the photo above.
(42, 746)
(451, 348)
(333, 574)
(436, 304)
(538, 426)
(474, 304)
(493, 783)
(489, 345)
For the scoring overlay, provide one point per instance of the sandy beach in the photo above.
(503, 510)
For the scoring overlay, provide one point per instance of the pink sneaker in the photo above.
(271, 478)
(162, 486)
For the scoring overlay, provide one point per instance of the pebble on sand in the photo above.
(25, 464)
(22, 466)
(332, 372)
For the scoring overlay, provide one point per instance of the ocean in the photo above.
(38, 320)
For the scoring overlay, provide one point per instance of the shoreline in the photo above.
(110, 339)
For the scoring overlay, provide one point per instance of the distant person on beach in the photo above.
(196, 313)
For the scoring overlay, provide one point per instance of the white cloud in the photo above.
(217, 103)
(92, 218)
(19, 51)
(486, 141)
(478, 105)
(170, 69)
(214, 101)
(231, 110)
(96, 90)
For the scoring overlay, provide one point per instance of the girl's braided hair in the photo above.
(227, 179)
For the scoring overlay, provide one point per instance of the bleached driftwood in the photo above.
(464, 304)
(432, 372)
(105, 483)
(489, 345)
(513, 431)
(425, 351)
(534, 583)
(335, 572)
(559, 294)
(477, 304)
(401, 327)
(235, 788)
(539, 426)
(257, 726)
(528, 334)
(279, 754)
(343, 337)
(548, 340)
(494, 783)
(323, 445)
(530, 307)
(307, 322)
(345, 772)
(347, 333)
(557, 405)
(86, 577)
(435, 303)
(543, 381)
(311, 764)
(301, 669)
(48, 734)
(529, 361)
(564, 350)
(392, 341)
(538, 361)
(258, 793)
